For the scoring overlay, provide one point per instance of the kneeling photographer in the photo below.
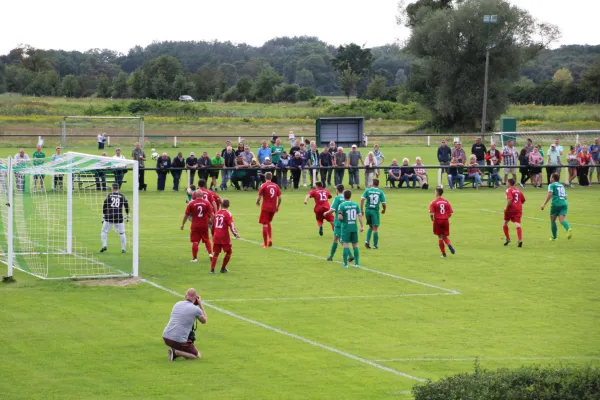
(179, 334)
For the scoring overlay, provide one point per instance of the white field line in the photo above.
(538, 219)
(493, 359)
(292, 335)
(452, 291)
(374, 296)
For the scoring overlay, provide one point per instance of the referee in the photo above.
(112, 215)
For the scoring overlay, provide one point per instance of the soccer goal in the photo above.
(52, 217)
(546, 138)
(78, 130)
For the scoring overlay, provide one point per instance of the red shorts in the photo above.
(218, 247)
(513, 217)
(266, 217)
(198, 235)
(321, 218)
(187, 347)
(441, 227)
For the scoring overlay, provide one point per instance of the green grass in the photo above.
(539, 302)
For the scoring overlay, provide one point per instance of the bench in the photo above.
(86, 180)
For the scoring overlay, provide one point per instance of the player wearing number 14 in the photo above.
(440, 211)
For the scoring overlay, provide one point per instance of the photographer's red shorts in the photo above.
(188, 347)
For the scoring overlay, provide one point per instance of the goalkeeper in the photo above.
(112, 215)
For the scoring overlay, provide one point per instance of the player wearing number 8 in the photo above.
(440, 211)
(373, 196)
(321, 197)
(348, 213)
(513, 211)
(201, 212)
(112, 216)
(558, 194)
(271, 197)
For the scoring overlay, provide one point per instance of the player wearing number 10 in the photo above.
(348, 213)
(440, 211)
(321, 197)
(559, 207)
(271, 196)
(374, 196)
(112, 215)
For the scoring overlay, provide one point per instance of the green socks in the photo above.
(356, 255)
(346, 254)
(565, 225)
(376, 239)
(554, 229)
(333, 249)
(369, 231)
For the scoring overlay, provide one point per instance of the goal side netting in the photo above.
(52, 217)
(546, 138)
(83, 131)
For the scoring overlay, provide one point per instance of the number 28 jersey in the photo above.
(200, 210)
(112, 209)
(270, 192)
(440, 208)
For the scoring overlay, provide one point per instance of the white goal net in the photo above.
(52, 217)
(546, 138)
(82, 131)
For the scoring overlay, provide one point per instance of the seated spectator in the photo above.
(265, 167)
(454, 174)
(473, 171)
(370, 164)
(408, 174)
(394, 173)
(284, 166)
(494, 172)
(247, 155)
(253, 175)
(239, 174)
(421, 173)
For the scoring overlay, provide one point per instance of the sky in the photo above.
(121, 24)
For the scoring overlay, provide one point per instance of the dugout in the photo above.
(344, 131)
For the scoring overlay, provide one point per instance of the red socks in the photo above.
(265, 234)
(520, 233)
(194, 250)
(270, 232)
(213, 262)
(441, 244)
(208, 246)
(225, 260)
(505, 227)
(447, 240)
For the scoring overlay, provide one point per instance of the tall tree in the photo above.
(591, 79)
(182, 85)
(563, 76)
(70, 86)
(119, 89)
(244, 87)
(354, 57)
(412, 14)
(264, 85)
(137, 84)
(103, 86)
(348, 81)
(376, 89)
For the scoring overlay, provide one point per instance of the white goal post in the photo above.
(75, 128)
(52, 217)
(545, 138)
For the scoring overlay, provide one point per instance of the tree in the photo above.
(264, 86)
(412, 14)
(348, 81)
(137, 84)
(182, 85)
(244, 87)
(563, 76)
(400, 77)
(230, 74)
(450, 48)
(306, 94)
(591, 79)
(305, 78)
(103, 86)
(119, 89)
(70, 86)
(160, 87)
(287, 93)
(205, 82)
(376, 89)
(353, 57)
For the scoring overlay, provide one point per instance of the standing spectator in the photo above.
(274, 138)
(559, 148)
(240, 149)
(177, 167)
(227, 144)
(284, 166)
(312, 145)
(263, 152)
(524, 167)
(119, 171)
(305, 158)
(408, 174)
(292, 138)
(454, 174)
(267, 166)
(276, 151)
(370, 164)
(444, 155)
(421, 173)
(379, 158)
(529, 147)
(459, 153)
(191, 164)
(58, 178)
(354, 157)
(585, 160)
(479, 150)
(339, 162)
(595, 152)
(535, 165)
(240, 172)
(313, 163)
(580, 147)
(176, 333)
(326, 162)
(247, 155)
(163, 166)
(473, 171)
(510, 157)
(332, 148)
(101, 140)
(296, 165)
(38, 159)
(554, 161)
(21, 158)
(293, 150)
(394, 173)
(229, 162)
(573, 163)
(217, 164)
(138, 155)
(203, 166)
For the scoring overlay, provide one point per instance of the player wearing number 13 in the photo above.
(559, 207)
(440, 211)
(373, 196)
(201, 212)
(271, 200)
(348, 213)
(513, 211)
(112, 216)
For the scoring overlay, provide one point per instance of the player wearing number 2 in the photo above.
(374, 196)
(202, 213)
(559, 207)
(221, 240)
(513, 211)
(112, 216)
(348, 213)
(440, 211)
(271, 200)
(321, 197)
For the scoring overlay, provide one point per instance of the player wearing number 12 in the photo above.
(373, 196)
(270, 194)
(348, 213)
(321, 197)
(112, 216)
(559, 207)
(440, 211)
(221, 241)
(513, 211)
(202, 213)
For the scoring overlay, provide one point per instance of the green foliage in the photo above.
(525, 383)
(412, 14)
(591, 79)
(264, 86)
(348, 81)
(319, 101)
(355, 58)
(244, 87)
(119, 89)
(376, 89)
(231, 94)
(563, 76)
(287, 93)
(103, 86)
(575, 58)
(70, 86)
(379, 109)
(305, 78)
(550, 93)
(306, 94)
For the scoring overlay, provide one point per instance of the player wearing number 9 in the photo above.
(270, 194)
(112, 216)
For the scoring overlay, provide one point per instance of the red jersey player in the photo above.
(221, 241)
(440, 211)
(201, 213)
(321, 196)
(207, 194)
(271, 195)
(513, 211)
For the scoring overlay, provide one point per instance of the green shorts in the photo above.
(350, 237)
(372, 217)
(555, 211)
(337, 231)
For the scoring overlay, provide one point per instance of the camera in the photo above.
(192, 336)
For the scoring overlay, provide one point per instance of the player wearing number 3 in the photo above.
(112, 216)
(321, 197)
(556, 192)
(202, 214)
(513, 211)
(440, 211)
(271, 200)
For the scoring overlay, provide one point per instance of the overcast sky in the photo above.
(122, 24)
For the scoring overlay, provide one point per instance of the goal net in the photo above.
(546, 138)
(81, 131)
(52, 217)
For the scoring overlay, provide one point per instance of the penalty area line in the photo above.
(452, 291)
(374, 296)
(538, 219)
(292, 335)
(493, 359)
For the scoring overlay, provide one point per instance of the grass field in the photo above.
(285, 323)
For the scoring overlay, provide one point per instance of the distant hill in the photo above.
(575, 58)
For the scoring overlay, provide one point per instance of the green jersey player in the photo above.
(559, 207)
(373, 197)
(348, 212)
(337, 224)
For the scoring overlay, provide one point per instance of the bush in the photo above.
(379, 109)
(526, 383)
(286, 93)
(231, 95)
(305, 93)
(320, 101)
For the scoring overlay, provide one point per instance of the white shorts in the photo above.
(510, 170)
(119, 228)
